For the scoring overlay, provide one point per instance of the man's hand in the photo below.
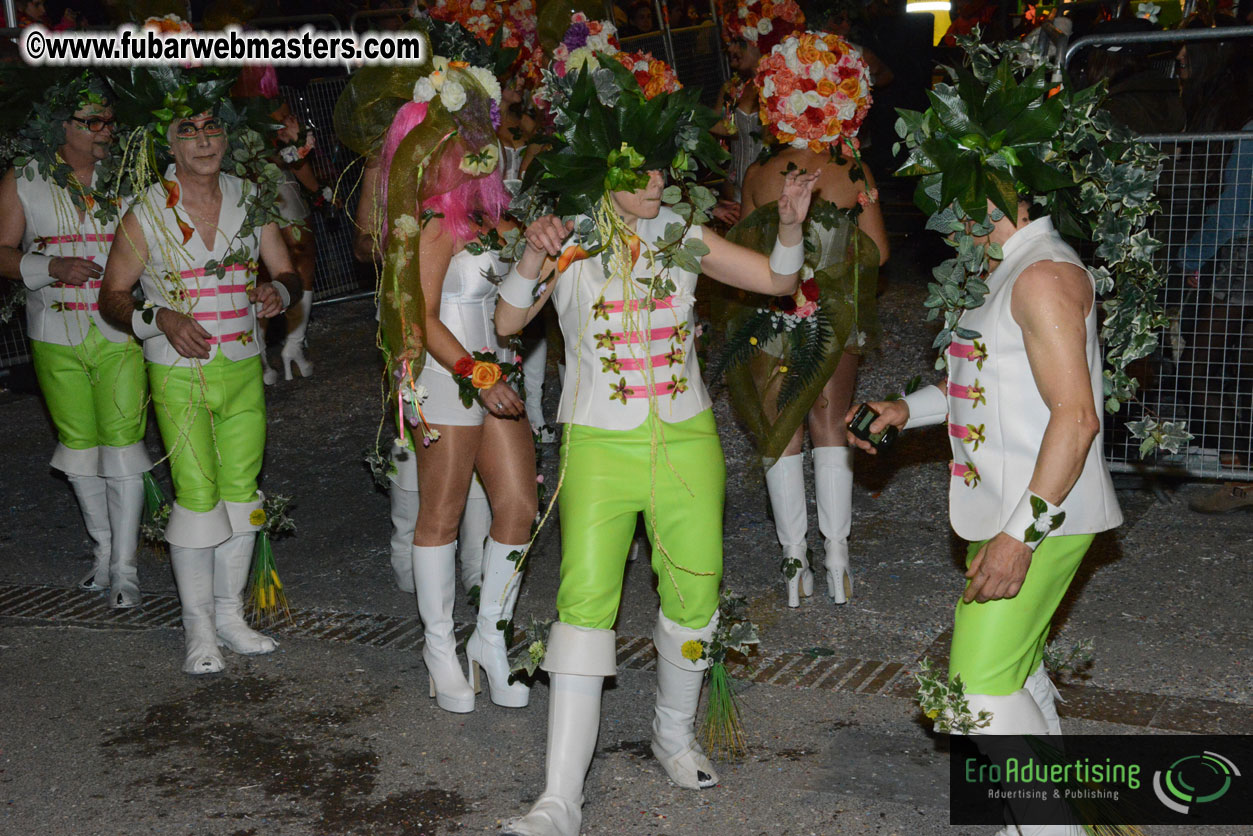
(727, 211)
(891, 414)
(546, 235)
(267, 298)
(797, 190)
(76, 271)
(187, 336)
(998, 570)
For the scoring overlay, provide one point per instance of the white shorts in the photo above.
(443, 403)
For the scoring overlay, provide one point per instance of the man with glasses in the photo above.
(191, 241)
(56, 225)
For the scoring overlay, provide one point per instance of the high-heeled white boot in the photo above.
(125, 497)
(534, 364)
(231, 562)
(679, 681)
(476, 522)
(293, 352)
(192, 537)
(434, 573)
(833, 489)
(785, 483)
(1013, 715)
(485, 650)
(1046, 696)
(92, 494)
(405, 505)
(577, 659)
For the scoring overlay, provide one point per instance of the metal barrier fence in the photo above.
(1202, 372)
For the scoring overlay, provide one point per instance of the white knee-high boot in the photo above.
(476, 522)
(578, 659)
(293, 352)
(92, 494)
(192, 537)
(679, 681)
(833, 488)
(486, 650)
(1018, 714)
(123, 469)
(534, 363)
(402, 491)
(231, 562)
(1045, 694)
(785, 483)
(434, 573)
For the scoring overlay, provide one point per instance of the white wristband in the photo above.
(517, 289)
(1033, 519)
(927, 406)
(785, 260)
(144, 323)
(283, 293)
(34, 268)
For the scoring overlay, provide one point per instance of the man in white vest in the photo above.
(1030, 487)
(55, 232)
(186, 241)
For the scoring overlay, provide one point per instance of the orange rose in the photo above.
(484, 375)
(751, 20)
(807, 52)
(851, 87)
(826, 88)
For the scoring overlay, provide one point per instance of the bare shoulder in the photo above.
(1052, 288)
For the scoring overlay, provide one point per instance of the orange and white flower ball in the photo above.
(814, 90)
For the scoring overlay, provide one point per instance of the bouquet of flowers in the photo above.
(482, 17)
(763, 24)
(814, 90)
(266, 601)
(722, 732)
(583, 39)
(654, 75)
(481, 370)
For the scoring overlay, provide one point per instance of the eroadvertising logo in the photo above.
(1194, 779)
(1100, 780)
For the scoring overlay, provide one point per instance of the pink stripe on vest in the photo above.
(959, 431)
(635, 364)
(200, 271)
(201, 292)
(653, 335)
(210, 316)
(642, 391)
(225, 338)
(80, 306)
(90, 284)
(664, 304)
(959, 470)
(959, 391)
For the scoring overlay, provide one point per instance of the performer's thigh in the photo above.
(240, 428)
(600, 498)
(685, 529)
(178, 399)
(65, 381)
(997, 644)
(506, 464)
(445, 467)
(826, 416)
(120, 393)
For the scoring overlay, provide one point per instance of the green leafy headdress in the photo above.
(1003, 131)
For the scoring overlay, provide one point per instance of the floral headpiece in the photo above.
(481, 17)
(814, 91)
(609, 132)
(1002, 131)
(582, 41)
(653, 75)
(764, 23)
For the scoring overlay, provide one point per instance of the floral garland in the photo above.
(445, 82)
(654, 75)
(481, 370)
(813, 89)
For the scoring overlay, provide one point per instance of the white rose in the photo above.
(452, 95)
(817, 71)
(440, 63)
(764, 26)
(424, 90)
(487, 81)
(478, 5)
(845, 109)
(797, 103)
(767, 89)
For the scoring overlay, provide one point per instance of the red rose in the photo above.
(809, 287)
(464, 367)
(786, 304)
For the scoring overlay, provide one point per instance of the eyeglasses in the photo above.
(95, 124)
(209, 127)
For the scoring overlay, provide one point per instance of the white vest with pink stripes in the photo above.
(175, 276)
(63, 313)
(618, 352)
(997, 416)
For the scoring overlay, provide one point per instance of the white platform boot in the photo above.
(1016, 714)
(833, 489)
(485, 650)
(232, 561)
(192, 537)
(679, 682)
(785, 483)
(476, 523)
(577, 659)
(434, 576)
